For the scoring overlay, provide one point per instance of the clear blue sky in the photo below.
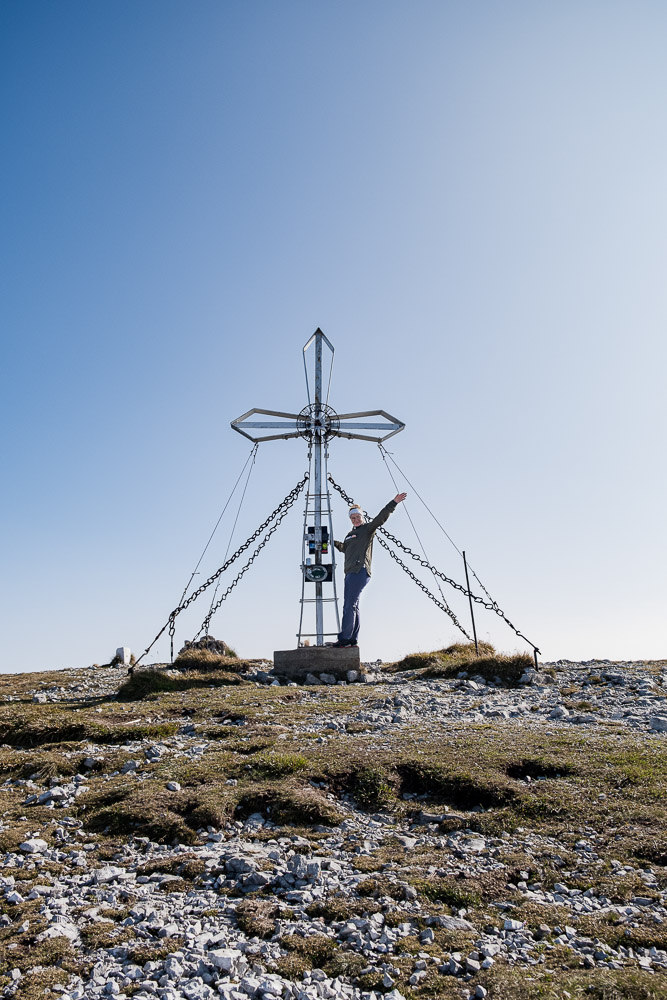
(469, 199)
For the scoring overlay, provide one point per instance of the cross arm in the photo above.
(351, 423)
(248, 428)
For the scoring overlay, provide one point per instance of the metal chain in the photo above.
(214, 607)
(427, 565)
(388, 455)
(281, 510)
(443, 606)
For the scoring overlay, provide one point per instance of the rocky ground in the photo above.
(406, 836)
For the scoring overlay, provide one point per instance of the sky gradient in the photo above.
(469, 200)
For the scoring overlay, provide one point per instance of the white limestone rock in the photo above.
(34, 846)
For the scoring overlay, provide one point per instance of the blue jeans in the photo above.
(354, 584)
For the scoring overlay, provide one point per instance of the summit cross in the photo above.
(317, 423)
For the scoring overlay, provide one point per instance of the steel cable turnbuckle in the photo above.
(279, 513)
(489, 605)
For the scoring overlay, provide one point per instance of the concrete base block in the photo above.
(297, 663)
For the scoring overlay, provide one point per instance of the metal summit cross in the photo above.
(317, 423)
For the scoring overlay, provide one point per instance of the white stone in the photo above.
(34, 846)
(173, 786)
(659, 723)
(513, 925)
(169, 930)
(124, 654)
(56, 930)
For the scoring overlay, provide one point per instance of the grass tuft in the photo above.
(457, 788)
(371, 788)
(460, 653)
(145, 683)
(257, 917)
(276, 765)
(192, 658)
(289, 805)
(462, 656)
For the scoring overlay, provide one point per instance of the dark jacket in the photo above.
(358, 543)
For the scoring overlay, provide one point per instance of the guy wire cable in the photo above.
(235, 520)
(253, 452)
(421, 544)
(447, 535)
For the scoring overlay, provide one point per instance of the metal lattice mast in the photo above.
(317, 461)
(318, 423)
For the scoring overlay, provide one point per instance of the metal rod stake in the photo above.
(472, 613)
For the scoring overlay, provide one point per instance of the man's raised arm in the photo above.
(380, 518)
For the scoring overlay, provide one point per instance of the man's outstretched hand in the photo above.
(400, 497)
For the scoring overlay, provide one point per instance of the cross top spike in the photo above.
(318, 423)
(318, 418)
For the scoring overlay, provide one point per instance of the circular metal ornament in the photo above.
(320, 419)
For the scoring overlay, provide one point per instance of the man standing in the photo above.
(358, 549)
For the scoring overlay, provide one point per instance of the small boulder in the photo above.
(34, 846)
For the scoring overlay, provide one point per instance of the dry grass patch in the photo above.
(460, 654)
(505, 982)
(455, 786)
(335, 909)
(102, 935)
(197, 658)
(144, 952)
(257, 917)
(150, 810)
(33, 726)
(188, 867)
(313, 952)
(151, 683)
(56, 955)
(449, 662)
(289, 804)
